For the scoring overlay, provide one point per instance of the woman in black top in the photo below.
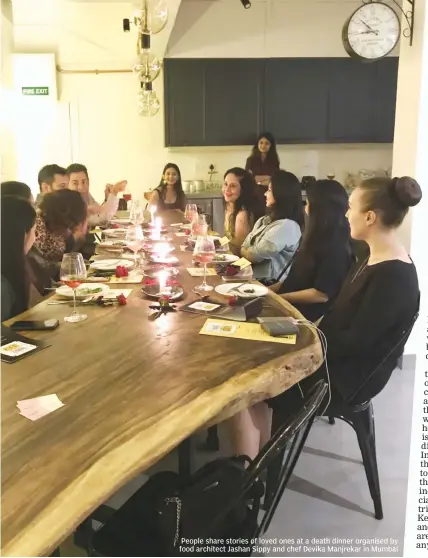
(18, 226)
(325, 254)
(169, 194)
(264, 160)
(375, 307)
(13, 188)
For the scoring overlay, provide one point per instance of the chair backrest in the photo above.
(380, 375)
(286, 444)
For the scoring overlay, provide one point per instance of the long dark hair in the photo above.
(328, 205)
(287, 191)
(17, 219)
(178, 186)
(248, 199)
(272, 154)
(13, 188)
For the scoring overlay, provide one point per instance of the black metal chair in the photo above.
(284, 448)
(358, 413)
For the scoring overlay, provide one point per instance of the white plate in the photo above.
(67, 292)
(110, 265)
(121, 221)
(113, 243)
(225, 288)
(115, 232)
(228, 258)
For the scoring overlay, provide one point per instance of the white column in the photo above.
(410, 152)
(7, 148)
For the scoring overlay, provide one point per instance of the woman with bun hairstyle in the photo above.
(378, 300)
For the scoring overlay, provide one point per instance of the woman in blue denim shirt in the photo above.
(275, 237)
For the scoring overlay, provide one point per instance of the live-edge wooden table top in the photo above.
(133, 390)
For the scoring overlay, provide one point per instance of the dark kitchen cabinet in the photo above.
(184, 101)
(212, 102)
(385, 97)
(233, 101)
(352, 86)
(296, 99)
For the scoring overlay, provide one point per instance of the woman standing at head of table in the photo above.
(263, 161)
(169, 194)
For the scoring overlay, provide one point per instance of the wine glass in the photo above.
(73, 273)
(199, 225)
(136, 213)
(135, 240)
(204, 253)
(190, 211)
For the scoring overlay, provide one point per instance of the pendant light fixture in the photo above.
(149, 20)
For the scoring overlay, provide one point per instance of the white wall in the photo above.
(7, 140)
(106, 132)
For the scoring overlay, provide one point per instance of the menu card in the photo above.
(15, 346)
(245, 330)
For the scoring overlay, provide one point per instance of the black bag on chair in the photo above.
(166, 510)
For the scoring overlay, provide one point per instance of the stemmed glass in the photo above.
(204, 253)
(136, 213)
(199, 225)
(190, 211)
(135, 240)
(73, 273)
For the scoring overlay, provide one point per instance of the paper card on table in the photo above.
(252, 332)
(17, 348)
(224, 241)
(113, 293)
(39, 407)
(199, 271)
(181, 234)
(242, 263)
(204, 306)
(133, 279)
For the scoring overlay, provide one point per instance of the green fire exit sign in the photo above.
(35, 90)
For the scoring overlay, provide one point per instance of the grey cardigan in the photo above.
(272, 246)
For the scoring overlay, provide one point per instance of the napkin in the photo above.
(39, 407)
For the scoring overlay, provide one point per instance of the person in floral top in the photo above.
(62, 217)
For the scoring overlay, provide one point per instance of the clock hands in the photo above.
(370, 30)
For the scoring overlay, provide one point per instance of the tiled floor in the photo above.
(328, 496)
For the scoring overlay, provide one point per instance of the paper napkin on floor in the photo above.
(38, 407)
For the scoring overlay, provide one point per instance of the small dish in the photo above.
(83, 291)
(152, 291)
(110, 265)
(246, 290)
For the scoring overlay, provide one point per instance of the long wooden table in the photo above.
(133, 389)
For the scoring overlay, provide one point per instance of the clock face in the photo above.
(372, 31)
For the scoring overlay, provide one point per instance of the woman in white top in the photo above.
(275, 237)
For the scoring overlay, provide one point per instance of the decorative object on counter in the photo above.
(353, 179)
(211, 172)
(331, 175)
(198, 185)
(373, 30)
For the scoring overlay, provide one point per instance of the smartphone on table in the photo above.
(35, 325)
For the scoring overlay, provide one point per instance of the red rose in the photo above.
(233, 300)
(121, 299)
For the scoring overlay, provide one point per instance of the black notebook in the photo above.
(241, 312)
(15, 346)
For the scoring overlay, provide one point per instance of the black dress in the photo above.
(180, 203)
(325, 272)
(364, 323)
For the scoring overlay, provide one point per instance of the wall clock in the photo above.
(371, 32)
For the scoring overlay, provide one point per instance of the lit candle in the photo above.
(158, 223)
(162, 249)
(162, 281)
(152, 213)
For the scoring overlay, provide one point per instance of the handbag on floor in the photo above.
(166, 513)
